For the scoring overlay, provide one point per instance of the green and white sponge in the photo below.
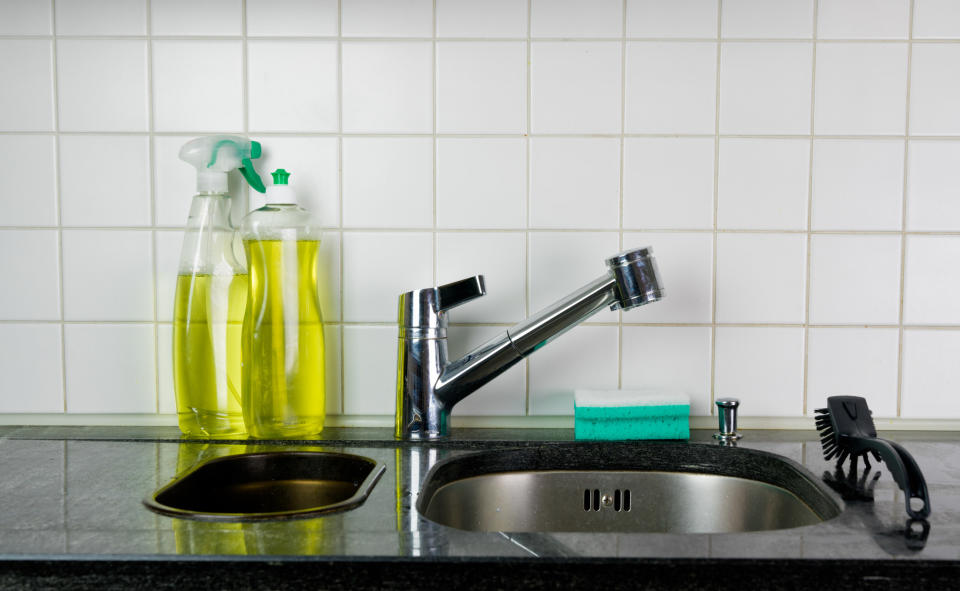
(631, 414)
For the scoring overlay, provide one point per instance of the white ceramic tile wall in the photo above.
(792, 162)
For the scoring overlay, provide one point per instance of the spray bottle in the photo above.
(283, 352)
(211, 292)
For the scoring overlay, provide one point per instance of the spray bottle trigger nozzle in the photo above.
(250, 173)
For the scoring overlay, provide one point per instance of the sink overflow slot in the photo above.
(593, 500)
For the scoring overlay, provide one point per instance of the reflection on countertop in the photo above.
(76, 492)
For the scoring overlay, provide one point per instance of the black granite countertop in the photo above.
(71, 513)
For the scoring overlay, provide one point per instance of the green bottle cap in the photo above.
(280, 176)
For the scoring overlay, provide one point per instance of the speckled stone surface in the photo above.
(71, 514)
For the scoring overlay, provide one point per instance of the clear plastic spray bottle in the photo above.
(211, 293)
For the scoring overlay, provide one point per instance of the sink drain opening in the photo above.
(593, 500)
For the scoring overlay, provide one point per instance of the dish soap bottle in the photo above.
(211, 293)
(283, 354)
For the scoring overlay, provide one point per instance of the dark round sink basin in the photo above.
(268, 485)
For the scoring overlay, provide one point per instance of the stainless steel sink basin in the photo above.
(622, 487)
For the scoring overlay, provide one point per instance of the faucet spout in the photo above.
(428, 387)
(465, 375)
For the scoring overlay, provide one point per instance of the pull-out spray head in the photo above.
(215, 155)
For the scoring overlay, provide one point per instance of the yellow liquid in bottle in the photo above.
(207, 330)
(283, 355)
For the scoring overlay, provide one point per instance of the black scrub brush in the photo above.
(846, 430)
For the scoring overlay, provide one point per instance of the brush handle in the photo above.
(904, 470)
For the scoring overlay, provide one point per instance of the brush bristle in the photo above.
(828, 439)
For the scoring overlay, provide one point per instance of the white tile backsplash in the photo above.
(791, 162)
(936, 19)
(933, 186)
(102, 85)
(763, 367)
(31, 367)
(854, 279)
(668, 183)
(378, 267)
(560, 262)
(669, 357)
(576, 18)
(671, 87)
(575, 183)
(854, 362)
(124, 200)
(28, 104)
(761, 278)
(175, 181)
(857, 185)
(188, 17)
(935, 89)
(167, 244)
(166, 394)
(387, 87)
(861, 88)
(500, 258)
(28, 265)
(368, 392)
(762, 184)
(481, 87)
(107, 275)
(197, 85)
(387, 182)
(765, 19)
(28, 169)
(491, 18)
(587, 358)
(387, 18)
(678, 18)
(293, 85)
(504, 395)
(685, 261)
(291, 18)
(844, 19)
(575, 87)
(931, 374)
(110, 368)
(333, 356)
(931, 280)
(314, 167)
(101, 17)
(765, 88)
(24, 17)
(481, 183)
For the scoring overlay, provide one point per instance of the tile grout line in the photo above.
(386, 134)
(341, 273)
(528, 61)
(152, 158)
(58, 187)
(611, 39)
(809, 238)
(903, 212)
(623, 128)
(853, 325)
(716, 206)
(518, 230)
(433, 96)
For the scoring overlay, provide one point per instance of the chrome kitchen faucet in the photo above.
(428, 386)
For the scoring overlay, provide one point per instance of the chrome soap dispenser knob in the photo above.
(727, 415)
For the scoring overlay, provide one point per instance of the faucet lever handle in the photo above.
(453, 294)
